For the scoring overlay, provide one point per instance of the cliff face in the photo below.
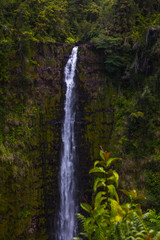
(31, 119)
(95, 115)
(31, 110)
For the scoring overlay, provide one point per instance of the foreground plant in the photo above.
(107, 218)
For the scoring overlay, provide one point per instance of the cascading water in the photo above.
(67, 226)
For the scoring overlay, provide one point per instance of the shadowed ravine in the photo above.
(66, 215)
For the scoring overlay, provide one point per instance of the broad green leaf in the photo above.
(99, 212)
(117, 197)
(116, 177)
(86, 207)
(97, 169)
(88, 220)
(111, 190)
(102, 163)
(111, 160)
(112, 178)
(95, 164)
(99, 182)
(102, 155)
(99, 198)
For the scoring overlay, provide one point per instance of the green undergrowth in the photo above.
(106, 217)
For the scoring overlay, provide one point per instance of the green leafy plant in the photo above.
(152, 219)
(106, 218)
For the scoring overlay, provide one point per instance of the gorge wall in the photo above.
(31, 120)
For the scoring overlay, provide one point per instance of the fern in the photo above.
(81, 220)
(120, 232)
(112, 232)
(134, 230)
(99, 234)
(116, 231)
(139, 223)
(152, 219)
(157, 237)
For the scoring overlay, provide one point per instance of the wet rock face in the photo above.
(91, 69)
(32, 124)
(33, 107)
(94, 120)
(49, 70)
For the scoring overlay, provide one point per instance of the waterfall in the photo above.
(67, 210)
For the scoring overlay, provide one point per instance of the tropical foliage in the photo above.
(107, 217)
(126, 33)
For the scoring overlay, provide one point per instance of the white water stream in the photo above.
(67, 226)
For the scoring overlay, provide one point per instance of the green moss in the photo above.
(99, 117)
(30, 134)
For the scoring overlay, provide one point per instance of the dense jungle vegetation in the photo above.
(127, 33)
